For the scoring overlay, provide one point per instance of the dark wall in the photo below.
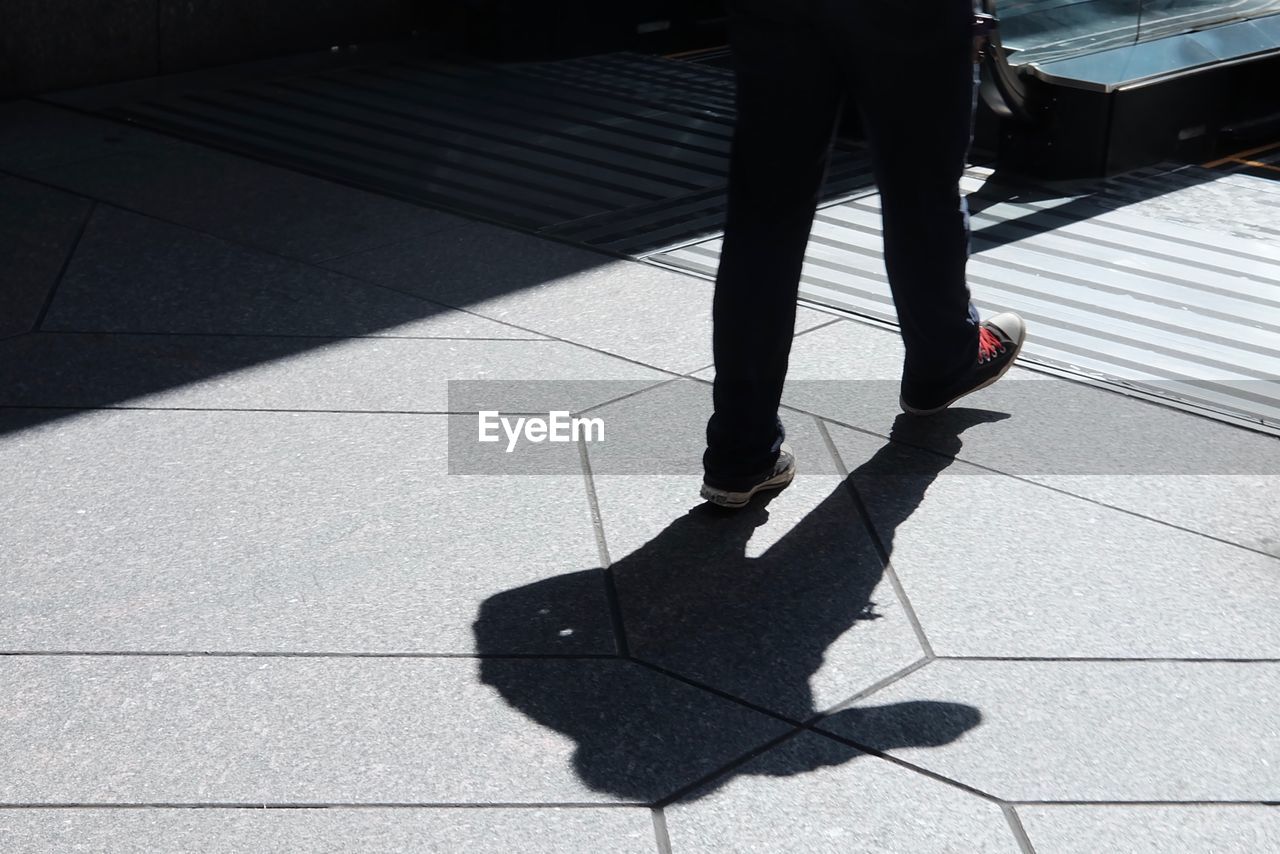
(56, 44)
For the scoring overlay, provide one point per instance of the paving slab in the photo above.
(1086, 439)
(246, 372)
(848, 372)
(1201, 829)
(784, 604)
(634, 310)
(999, 567)
(38, 230)
(277, 532)
(1242, 509)
(815, 796)
(242, 200)
(1095, 731)
(133, 273)
(339, 731)
(35, 136)
(662, 431)
(440, 830)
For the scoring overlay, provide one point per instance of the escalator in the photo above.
(1086, 88)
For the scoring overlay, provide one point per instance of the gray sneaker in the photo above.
(1000, 339)
(735, 496)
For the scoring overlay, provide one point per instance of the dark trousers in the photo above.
(906, 65)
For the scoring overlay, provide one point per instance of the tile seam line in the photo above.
(319, 805)
(1016, 827)
(902, 763)
(617, 623)
(275, 335)
(812, 727)
(662, 836)
(717, 692)
(294, 654)
(870, 691)
(796, 726)
(1084, 659)
(1145, 803)
(314, 265)
(727, 768)
(1022, 479)
(655, 385)
(49, 299)
(268, 410)
(691, 375)
(472, 222)
(543, 337)
(343, 256)
(882, 551)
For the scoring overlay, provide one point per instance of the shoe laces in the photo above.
(989, 346)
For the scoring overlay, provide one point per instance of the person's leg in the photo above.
(789, 99)
(912, 76)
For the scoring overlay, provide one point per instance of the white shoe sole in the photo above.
(911, 410)
(735, 500)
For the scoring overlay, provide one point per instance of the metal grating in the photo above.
(621, 152)
(1183, 312)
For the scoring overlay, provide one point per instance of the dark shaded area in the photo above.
(53, 44)
(621, 152)
(163, 307)
(756, 629)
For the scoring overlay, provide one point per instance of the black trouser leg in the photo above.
(912, 77)
(789, 98)
(908, 66)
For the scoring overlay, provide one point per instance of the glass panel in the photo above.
(1044, 30)
(1170, 17)
(1040, 30)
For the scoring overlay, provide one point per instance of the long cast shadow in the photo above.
(696, 607)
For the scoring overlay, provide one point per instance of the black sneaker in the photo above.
(999, 341)
(739, 495)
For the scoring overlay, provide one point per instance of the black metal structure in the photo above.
(1093, 88)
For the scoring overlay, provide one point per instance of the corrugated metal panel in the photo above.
(1177, 311)
(614, 151)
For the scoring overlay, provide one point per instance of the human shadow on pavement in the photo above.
(698, 614)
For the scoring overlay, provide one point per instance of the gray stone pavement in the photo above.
(249, 604)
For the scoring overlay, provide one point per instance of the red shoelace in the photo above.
(988, 345)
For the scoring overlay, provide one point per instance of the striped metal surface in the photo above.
(1113, 288)
(611, 151)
